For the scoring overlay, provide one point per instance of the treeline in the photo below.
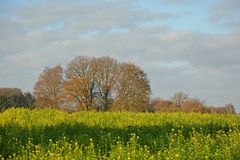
(180, 102)
(14, 97)
(100, 84)
(89, 83)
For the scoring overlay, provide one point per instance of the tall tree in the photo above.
(132, 89)
(106, 70)
(75, 93)
(80, 73)
(47, 88)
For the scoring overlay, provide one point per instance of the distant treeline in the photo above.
(100, 84)
(14, 97)
(180, 102)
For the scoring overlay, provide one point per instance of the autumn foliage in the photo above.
(188, 105)
(90, 83)
(47, 88)
(104, 84)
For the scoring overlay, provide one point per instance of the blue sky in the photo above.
(183, 45)
(194, 16)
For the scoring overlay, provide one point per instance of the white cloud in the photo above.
(227, 13)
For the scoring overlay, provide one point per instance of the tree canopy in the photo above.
(47, 88)
(90, 83)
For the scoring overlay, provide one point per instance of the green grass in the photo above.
(52, 134)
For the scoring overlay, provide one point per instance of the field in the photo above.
(53, 134)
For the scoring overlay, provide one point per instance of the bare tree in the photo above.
(132, 89)
(106, 70)
(79, 88)
(78, 67)
(75, 93)
(179, 98)
(47, 88)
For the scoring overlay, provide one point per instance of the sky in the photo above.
(192, 46)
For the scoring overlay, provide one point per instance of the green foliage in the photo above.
(52, 134)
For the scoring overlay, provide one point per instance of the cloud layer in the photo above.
(203, 64)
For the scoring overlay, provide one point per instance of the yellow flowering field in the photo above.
(53, 134)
